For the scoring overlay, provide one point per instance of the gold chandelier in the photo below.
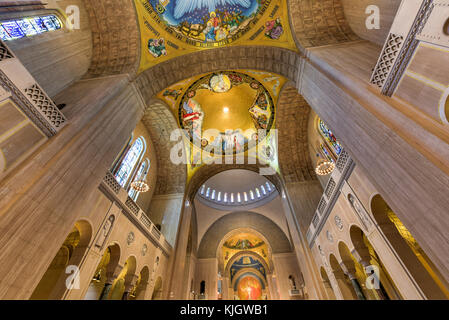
(140, 186)
(324, 167)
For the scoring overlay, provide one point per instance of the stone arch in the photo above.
(407, 248)
(319, 23)
(160, 122)
(327, 284)
(366, 255)
(53, 283)
(346, 289)
(249, 272)
(350, 269)
(157, 291)
(246, 230)
(142, 283)
(255, 255)
(115, 36)
(107, 270)
(293, 113)
(216, 232)
(123, 281)
(272, 59)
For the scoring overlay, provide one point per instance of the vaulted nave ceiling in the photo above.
(172, 28)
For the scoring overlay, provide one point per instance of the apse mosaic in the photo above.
(170, 28)
(222, 113)
(249, 288)
(247, 262)
(244, 242)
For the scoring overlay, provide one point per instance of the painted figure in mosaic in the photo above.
(157, 47)
(274, 29)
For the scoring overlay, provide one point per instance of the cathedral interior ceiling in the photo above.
(211, 240)
(173, 40)
(131, 36)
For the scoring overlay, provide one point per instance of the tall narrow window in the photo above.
(130, 161)
(330, 138)
(263, 190)
(202, 189)
(140, 175)
(213, 195)
(245, 196)
(225, 197)
(251, 194)
(219, 196)
(27, 27)
(268, 186)
(258, 192)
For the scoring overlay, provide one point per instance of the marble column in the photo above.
(111, 275)
(130, 283)
(178, 264)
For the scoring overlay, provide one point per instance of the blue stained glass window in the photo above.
(129, 162)
(4, 35)
(26, 27)
(50, 23)
(39, 24)
(326, 153)
(13, 29)
(330, 138)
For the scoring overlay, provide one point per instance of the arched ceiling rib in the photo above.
(220, 228)
(292, 121)
(160, 122)
(116, 37)
(319, 23)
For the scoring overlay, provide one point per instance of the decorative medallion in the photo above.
(144, 250)
(329, 236)
(131, 237)
(338, 222)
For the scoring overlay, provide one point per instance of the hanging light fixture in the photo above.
(324, 167)
(140, 185)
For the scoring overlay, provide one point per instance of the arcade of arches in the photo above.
(235, 150)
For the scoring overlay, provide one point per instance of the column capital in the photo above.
(111, 275)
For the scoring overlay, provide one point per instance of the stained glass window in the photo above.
(245, 196)
(202, 189)
(326, 153)
(27, 27)
(263, 190)
(129, 162)
(251, 194)
(258, 192)
(141, 174)
(330, 138)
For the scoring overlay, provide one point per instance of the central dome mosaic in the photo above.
(225, 111)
